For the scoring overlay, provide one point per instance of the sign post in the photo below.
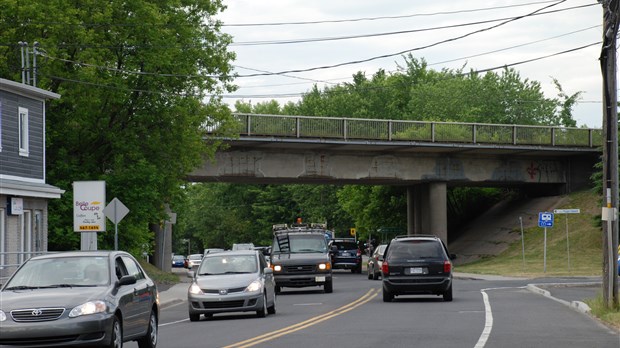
(522, 242)
(566, 212)
(545, 219)
(115, 211)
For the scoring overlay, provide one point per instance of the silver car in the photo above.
(194, 260)
(375, 261)
(81, 298)
(232, 281)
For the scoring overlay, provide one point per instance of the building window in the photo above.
(23, 131)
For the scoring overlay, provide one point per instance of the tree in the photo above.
(218, 215)
(415, 92)
(138, 82)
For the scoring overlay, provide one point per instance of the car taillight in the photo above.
(359, 252)
(447, 266)
(385, 268)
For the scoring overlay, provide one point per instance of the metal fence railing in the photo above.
(258, 125)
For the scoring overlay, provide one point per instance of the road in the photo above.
(484, 313)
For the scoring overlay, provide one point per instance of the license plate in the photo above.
(319, 279)
(416, 270)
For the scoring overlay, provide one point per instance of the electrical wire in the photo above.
(325, 39)
(454, 59)
(349, 37)
(384, 17)
(289, 95)
(169, 25)
(284, 73)
(359, 61)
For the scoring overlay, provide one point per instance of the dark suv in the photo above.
(417, 265)
(346, 255)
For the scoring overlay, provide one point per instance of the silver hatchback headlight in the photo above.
(255, 286)
(194, 289)
(2, 316)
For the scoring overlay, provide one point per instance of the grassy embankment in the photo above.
(585, 240)
(159, 276)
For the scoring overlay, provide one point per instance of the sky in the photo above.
(560, 41)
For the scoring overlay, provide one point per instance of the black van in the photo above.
(300, 256)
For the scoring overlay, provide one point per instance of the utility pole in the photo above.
(608, 60)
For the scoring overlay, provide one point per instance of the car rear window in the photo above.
(345, 245)
(416, 249)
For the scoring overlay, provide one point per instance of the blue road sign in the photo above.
(545, 219)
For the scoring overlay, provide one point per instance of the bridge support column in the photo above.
(427, 210)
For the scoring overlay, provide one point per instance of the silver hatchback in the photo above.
(232, 281)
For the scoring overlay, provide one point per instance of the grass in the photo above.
(159, 276)
(584, 247)
(600, 311)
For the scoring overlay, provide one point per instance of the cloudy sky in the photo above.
(325, 42)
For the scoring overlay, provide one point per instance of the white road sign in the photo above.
(566, 211)
(115, 210)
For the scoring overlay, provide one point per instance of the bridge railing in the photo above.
(417, 131)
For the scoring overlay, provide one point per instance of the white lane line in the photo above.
(488, 323)
(173, 322)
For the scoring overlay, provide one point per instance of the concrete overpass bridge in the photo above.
(427, 157)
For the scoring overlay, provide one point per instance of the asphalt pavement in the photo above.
(572, 294)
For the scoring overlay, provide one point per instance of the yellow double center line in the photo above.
(307, 323)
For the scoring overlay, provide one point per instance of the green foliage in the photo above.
(374, 207)
(218, 215)
(415, 92)
(135, 80)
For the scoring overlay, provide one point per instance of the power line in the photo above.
(384, 17)
(170, 25)
(289, 95)
(359, 61)
(459, 58)
(325, 39)
(282, 73)
(349, 37)
(290, 76)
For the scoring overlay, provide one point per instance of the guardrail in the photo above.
(259, 125)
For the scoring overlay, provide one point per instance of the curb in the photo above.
(576, 305)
